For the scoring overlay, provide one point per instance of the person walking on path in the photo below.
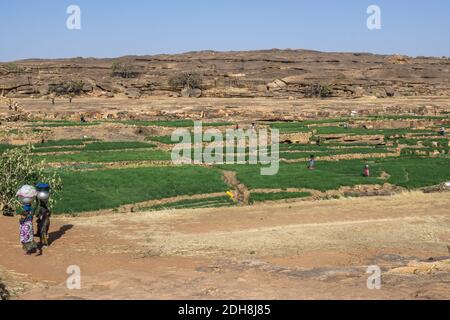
(26, 234)
(43, 214)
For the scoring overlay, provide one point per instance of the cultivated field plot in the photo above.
(132, 219)
(126, 165)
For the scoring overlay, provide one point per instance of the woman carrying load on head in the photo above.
(43, 213)
(26, 195)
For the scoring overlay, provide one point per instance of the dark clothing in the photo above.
(43, 224)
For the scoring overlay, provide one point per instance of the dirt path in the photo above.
(299, 250)
(242, 194)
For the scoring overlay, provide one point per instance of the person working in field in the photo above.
(318, 141)
(442, 131)
(366, 171)
(312, 163)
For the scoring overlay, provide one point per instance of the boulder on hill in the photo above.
(191, 93)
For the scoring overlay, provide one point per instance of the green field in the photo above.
(91, 180)
(261, 197)
(56, 124)
(63, 143)
(410, 173)
(88, 145)
(327, 176)
(174, 123)
(416, 172)
(107, 156)
(106, 189)
(331, 152)
(362, 131)
(212, 202)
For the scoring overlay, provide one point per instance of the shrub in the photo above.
(4, 294)
(67, 88)
(17, 167)
(188, 80)
(123, 70)
(13, 68)
(319, 91)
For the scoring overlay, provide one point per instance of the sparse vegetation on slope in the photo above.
(212, 202)
(273, 196)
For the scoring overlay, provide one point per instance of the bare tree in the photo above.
(123, 70)
(319, 91)
(189, 80)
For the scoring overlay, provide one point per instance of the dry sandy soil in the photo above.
(250, 109)
(291, 250)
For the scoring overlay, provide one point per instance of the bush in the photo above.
(189, 80)
(67, 88)
(13, 68)
(319, 91)
(123, 70)
(4, 294)
(17, 168)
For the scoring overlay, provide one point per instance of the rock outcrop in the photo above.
(287, 74)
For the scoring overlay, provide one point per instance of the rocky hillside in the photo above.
(271, 73)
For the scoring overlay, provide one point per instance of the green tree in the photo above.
(17, 168)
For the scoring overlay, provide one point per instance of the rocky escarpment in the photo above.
(271, 73)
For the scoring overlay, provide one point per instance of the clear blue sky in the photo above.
(111, 28)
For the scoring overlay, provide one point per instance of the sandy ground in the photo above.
(247, 107)
(297, 250)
